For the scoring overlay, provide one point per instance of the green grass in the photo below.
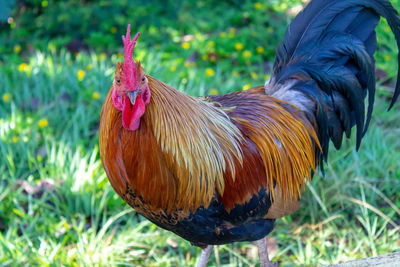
(58, 209)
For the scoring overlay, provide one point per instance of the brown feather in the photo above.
(284, 140)
(281, 207)
(179, 154)
(186, 149)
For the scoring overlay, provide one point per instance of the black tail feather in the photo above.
(328, 51)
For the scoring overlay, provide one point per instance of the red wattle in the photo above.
(131, 114)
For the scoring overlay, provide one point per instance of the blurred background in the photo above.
(57, 60)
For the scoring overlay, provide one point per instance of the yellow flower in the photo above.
(213, 91)
(17, 49)
(232, 32)
(6, 97)
(120, 55)
(96, 95)
(51, 47)
(23, 67)
(238, 46)
(89, 67)
(260, 50)
(113, 29)
(43, 123)
(204, 57)
(246, 87)
(211, 44)
(257, 5)
(266, 77)
(15, 139)
(172, 69)
(254, 75)
(103, 56)
(222, 34)
(81, 75)
(185, 45)
(45, 3)
(210, 72)
(247, 54)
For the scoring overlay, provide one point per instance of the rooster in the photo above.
(222, 169)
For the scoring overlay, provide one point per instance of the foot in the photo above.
(263, 254)
(205, 254)
(269, 264)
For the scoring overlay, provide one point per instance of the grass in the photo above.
(58, 209)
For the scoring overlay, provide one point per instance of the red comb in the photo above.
(130, 70)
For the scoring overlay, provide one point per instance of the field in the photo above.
(56, 205)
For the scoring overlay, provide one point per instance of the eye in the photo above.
(118, 80)
(143, 78)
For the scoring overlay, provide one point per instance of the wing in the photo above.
(278, 150)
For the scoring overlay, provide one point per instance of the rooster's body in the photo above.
(221, 169)
(181, 201)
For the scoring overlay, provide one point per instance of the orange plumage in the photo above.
(153, 156)
(221, 169)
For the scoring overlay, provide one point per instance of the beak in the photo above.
(132, 96)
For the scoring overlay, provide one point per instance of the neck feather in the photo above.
(199, 141)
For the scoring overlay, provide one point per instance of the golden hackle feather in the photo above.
(109, 144)
(199, 140)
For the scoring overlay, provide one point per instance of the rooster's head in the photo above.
(131, 91)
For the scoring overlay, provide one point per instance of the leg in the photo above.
(205, 254)
(263, 254)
